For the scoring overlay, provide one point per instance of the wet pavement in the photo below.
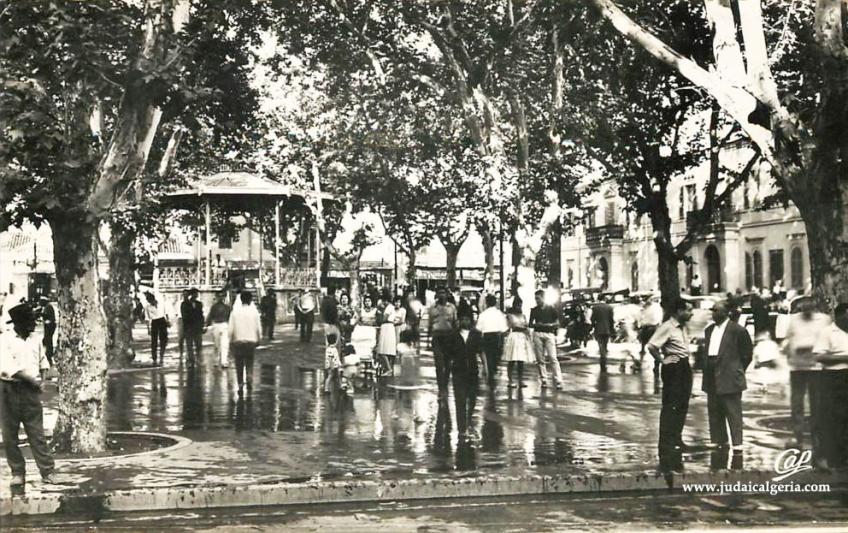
(287, 430)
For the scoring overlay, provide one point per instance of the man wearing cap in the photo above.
(191, 312)
(22, 366)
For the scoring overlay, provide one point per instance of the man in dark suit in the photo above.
(466, 345)
(191, 311)
(604, 327)
(729, 352)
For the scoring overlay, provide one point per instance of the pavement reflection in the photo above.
(286, 425)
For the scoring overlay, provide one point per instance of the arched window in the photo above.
(749, 271)
(758, 269)
(713, 269)
(797, 263)
(634, 276)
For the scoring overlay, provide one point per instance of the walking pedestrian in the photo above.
(268, 311)
(219, 322)
(804, 330)
(180, 325)
(346, 318)
(465, 345)
(294, 304)
(442, 323)
(387, 339)
(729, 352)
(158, 318)
(48, 318)
(649, 319)
(364, 335)
(670, 345)
(413, 317)
(518, 348)
(408, 358)
(245, 330)
(22, 368)
(306, 306)
(832, 391)
(604, 327)
(493, 327)
(544, 321)
(330, 313)
(191, 312)
(760, 313)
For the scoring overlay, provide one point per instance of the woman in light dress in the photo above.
(518, 348)
(364, 335)
(387, 343)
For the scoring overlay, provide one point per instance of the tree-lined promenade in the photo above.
(428, 118)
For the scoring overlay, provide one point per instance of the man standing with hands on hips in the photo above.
(670, 345)
(729, 352)
(22, 367)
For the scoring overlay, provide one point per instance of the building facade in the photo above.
(744, 247)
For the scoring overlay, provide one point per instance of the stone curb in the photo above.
(276, 494)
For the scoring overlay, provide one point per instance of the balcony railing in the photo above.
(603, 235)
(720, 221)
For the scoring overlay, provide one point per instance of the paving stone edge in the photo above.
(216, 496)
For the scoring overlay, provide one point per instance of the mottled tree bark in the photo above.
(668, 260)
(118, 302)
(452, 252)
(81, 346)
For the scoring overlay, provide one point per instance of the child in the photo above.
(332, 364)
(350, 368)
(408, 356)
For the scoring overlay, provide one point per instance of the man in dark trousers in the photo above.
(465, 345)
(729, 352)
(760, 313)
(670, 346)
(442, 324)
(492, 325)
(268, 312)
(191, 311)
(603, 327)
(831, 392)
(330, 313)
(48, 318)
(306, 305)
(22, 367)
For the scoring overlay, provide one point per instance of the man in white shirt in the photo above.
(831, 392)
(22, 367)
(493, 326)
(649, 318)
(245, 333)
(729, 352)
(804, 331)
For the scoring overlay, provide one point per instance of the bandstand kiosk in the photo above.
(212, 263)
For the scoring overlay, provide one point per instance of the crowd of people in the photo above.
(471, 340)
